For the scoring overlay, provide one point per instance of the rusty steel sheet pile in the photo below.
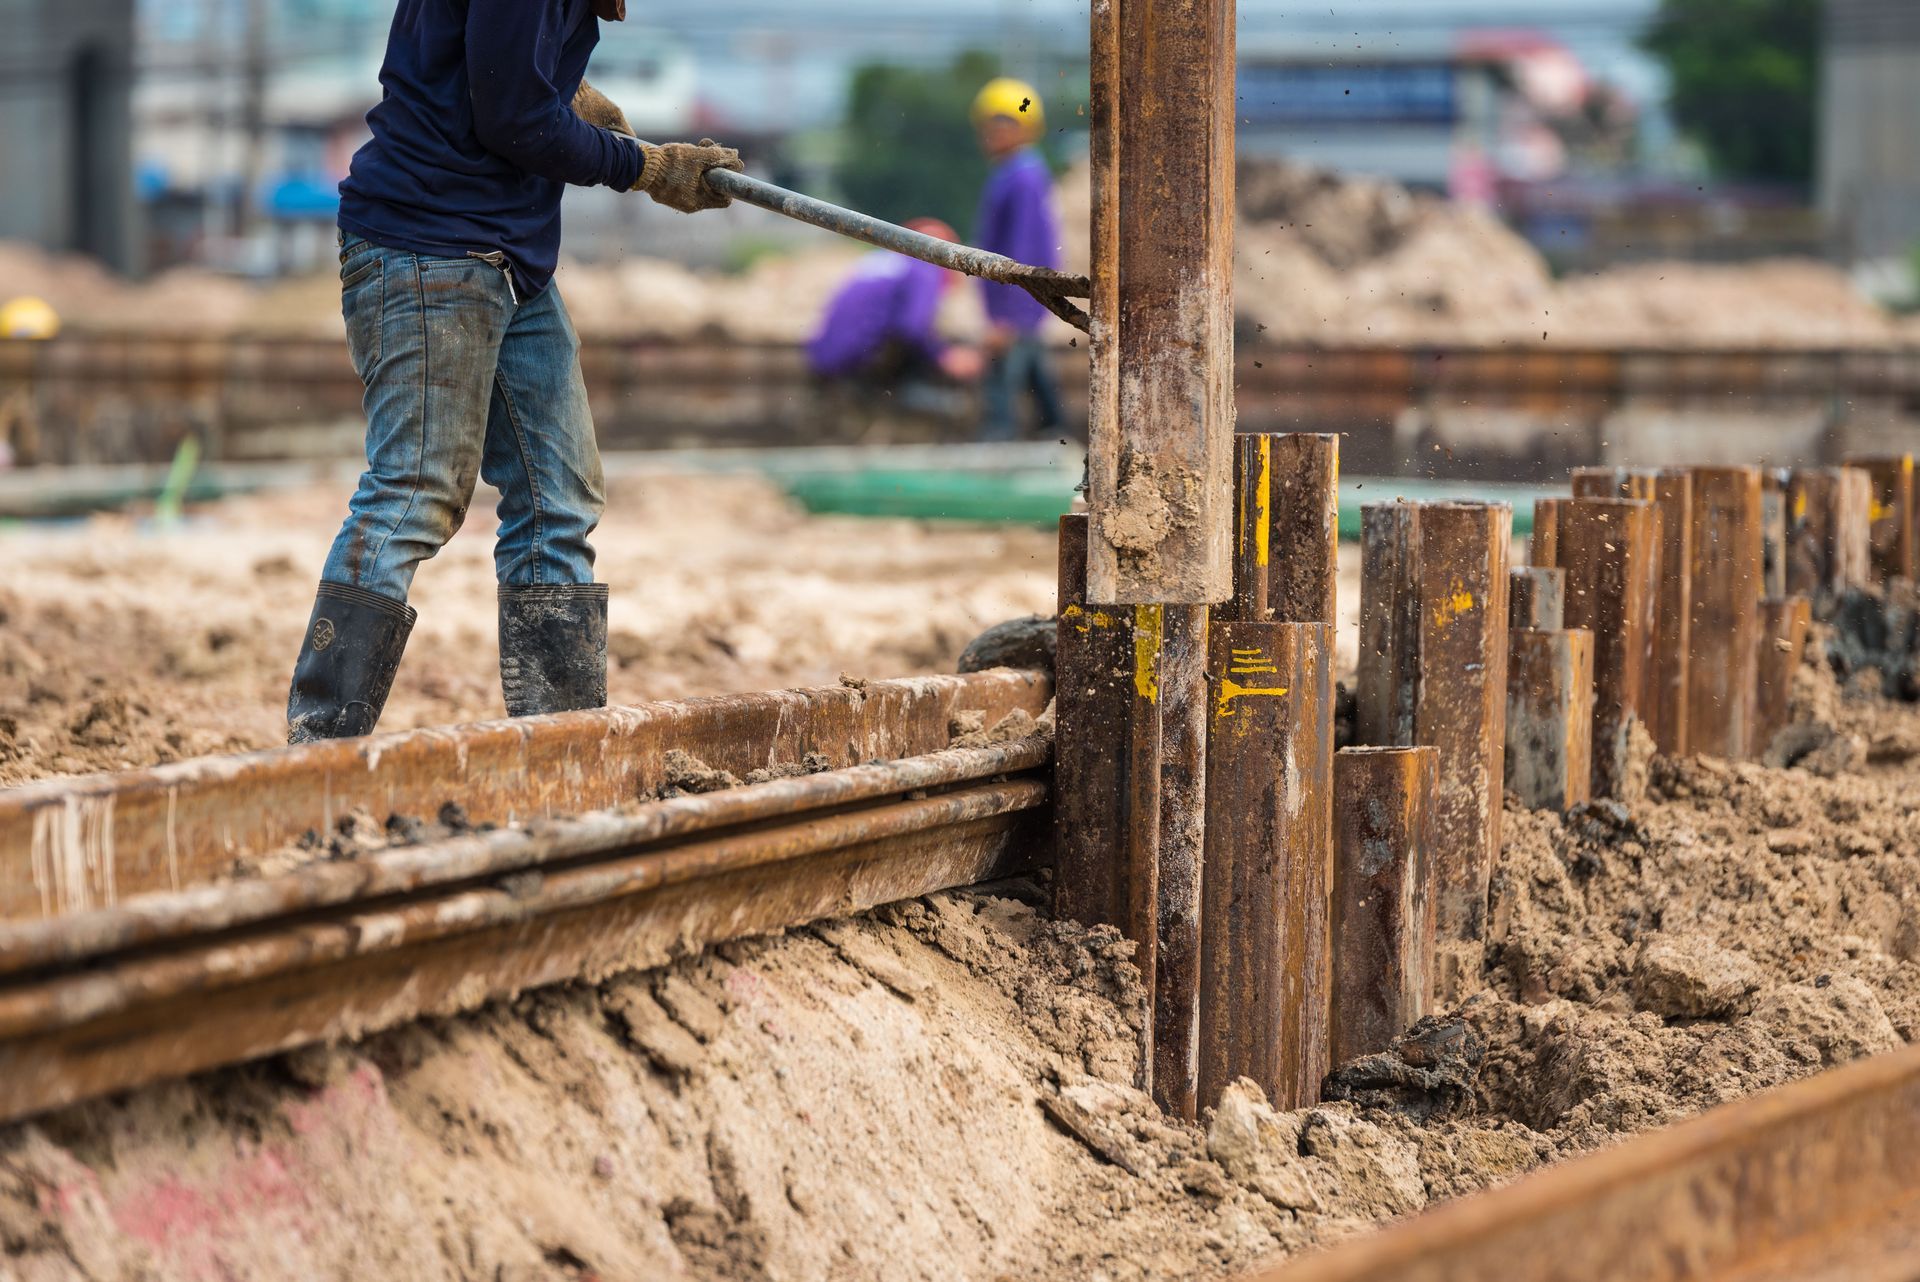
(134, 987)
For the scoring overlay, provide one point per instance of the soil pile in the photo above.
(1320, 257)
(942, 1088)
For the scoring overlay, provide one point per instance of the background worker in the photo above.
(879, 333)
(449, 235)
(1017, 219)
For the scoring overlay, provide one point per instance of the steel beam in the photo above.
(1549, 764)
(1896, 528)
(90, 841)
(1182, 680)
(1543, 547)
(1264, 939)
(1608, 548)
(1774, 531)
(1673, 622)
(1304, 577)
(1387, 689)
(1784, 624)
(1537, 598)
(1253, 491)
(1383, 905)
(1161, 433)
(1107, 765)
(1723, 677)
(1829, 532)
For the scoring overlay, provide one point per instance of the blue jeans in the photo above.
(1024, 366)
(464, 380)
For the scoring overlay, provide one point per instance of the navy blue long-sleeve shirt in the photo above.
(475, 136)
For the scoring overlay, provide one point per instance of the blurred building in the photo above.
(1869, 181)
(66, 169)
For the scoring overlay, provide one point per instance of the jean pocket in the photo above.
(363, 305)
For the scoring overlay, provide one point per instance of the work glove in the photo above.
(675, 174)
(596, 108)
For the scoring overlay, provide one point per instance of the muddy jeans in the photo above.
(464, 380)
(1025, 366)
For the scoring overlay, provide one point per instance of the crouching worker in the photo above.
(879, 333)
(449, 235)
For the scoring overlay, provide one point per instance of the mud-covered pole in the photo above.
(1673, 618)
(1181, 678)
(1265, 942)
(1723, 678)
(1829, 532)
(1303, 580)
(1386, 697)
(1641, 485)
(1160, 453)
(1784, 624)
(1537, 598)
(1607, 547)
(1106, 770)
(1549, 764)
(1775, 531)
(1463, 711)
(1383, 905)
(1543, 547)
(1895, 532)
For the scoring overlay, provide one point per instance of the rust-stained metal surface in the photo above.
(1304, 578)
(71, 844)
(1104, 876)
(128, 1019)
(1543, 546)
(1723, 677)
(1253, 549)
(1161, 431)
(1462, 708)
(1775, 531)
(1550, 717)
(1182, 678)
(1387, 688)
(1608, 548)
(1668, 603)
(1829, 532)
(1818, 1181)
(1383, 911)
(1537, 598)
(1673, 615)
(1895, 533)
(1784, 624)
(1264, 938)
(145, 920)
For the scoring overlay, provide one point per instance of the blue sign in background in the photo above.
(1357, 93)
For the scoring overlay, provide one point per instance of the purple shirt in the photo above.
(889, 298)
(1017, 219)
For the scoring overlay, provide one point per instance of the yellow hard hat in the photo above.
(29, 318)
(1014, 99)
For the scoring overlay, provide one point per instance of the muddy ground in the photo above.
(941, 1089)
(121, 645)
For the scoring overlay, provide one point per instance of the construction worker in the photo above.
(879, 333)
(449, 235)
(25, 319)
(1017, 219)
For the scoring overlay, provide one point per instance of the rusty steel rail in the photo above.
(129, 955)
(1814, 1182)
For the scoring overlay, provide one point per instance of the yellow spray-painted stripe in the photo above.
(1149, 626)
(1800, 506)
(1262, 529)
(1878, 512)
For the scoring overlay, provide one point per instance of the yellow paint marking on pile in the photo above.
(1149, 624)
(1458, 602)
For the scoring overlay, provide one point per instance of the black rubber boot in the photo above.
(352, 649)
(553, 648)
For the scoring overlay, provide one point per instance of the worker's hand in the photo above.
(962, 364)
(675, 174)
(596, 108)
